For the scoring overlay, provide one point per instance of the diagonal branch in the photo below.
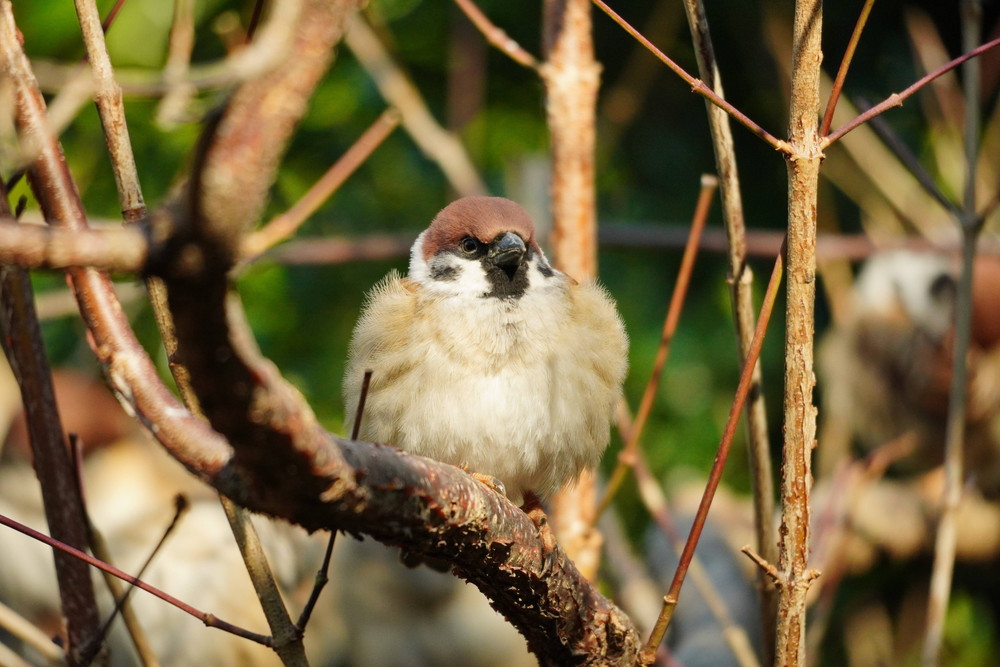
(697, 86)
(897, 99)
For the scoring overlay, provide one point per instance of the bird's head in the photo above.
(480, 246)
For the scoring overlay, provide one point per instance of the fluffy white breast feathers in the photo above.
(486, 357)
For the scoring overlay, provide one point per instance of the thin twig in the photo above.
(437, 143)
(626, 458)
(108, 96)
(322, 578)
(208, 619)
(763, 565)
(496, 36)
(286, 639)
(906, 156)
(284, 225)
(258, 10)
(122, 596)
(897, 99)
(969, 222)
(845, 64)
(735, 636)
(112, 15)
(740, 278)
(175, 71)
(697, 86)
(100, 549)
(715, 476)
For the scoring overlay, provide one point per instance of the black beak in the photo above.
(506, 252)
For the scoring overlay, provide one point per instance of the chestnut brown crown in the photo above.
(483, 218)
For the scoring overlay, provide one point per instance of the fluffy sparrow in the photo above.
(486, 357)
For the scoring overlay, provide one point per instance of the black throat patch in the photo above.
(507, 284)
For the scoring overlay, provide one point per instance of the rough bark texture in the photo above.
(800, 414)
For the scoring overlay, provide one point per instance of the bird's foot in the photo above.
(533, 508)
(490, 481)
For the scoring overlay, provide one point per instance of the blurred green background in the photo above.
(653, 147)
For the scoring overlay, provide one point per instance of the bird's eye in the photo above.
(469, 245)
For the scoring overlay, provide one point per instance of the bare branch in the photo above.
(626, 457)
(86, 559)
(697, 86)
(971, 225)
(175, 71)
(131, 373)
(123, 249)
(22, 342)
(799, 411)
(722, 454)
(897, 99)
(108, 96)
(845, 64)
(571, 77)
(740, 280)
(437, 143)
(284, 225)
(496, 36)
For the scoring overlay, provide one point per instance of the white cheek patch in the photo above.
(418, 271)
(541, 275)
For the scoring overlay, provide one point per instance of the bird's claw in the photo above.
(490, 481)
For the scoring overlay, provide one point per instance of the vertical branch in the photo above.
(571, 77)
(800, 413)
(22, 341)
(740, 280)
(970, 224)
(108, 96)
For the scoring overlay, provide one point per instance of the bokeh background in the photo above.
(653, 146)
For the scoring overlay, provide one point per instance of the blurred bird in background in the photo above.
(886, 371)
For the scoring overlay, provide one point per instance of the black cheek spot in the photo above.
(444, 272)
(545, 270)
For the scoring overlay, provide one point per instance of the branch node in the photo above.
(769, 569)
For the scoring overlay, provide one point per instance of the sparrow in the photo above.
(887, 370)
(486, 357)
